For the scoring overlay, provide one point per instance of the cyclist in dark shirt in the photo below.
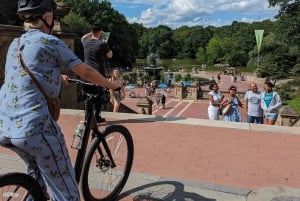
(96, 50)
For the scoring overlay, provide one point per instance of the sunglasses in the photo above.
(233, 89)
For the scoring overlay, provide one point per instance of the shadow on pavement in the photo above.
(286, 198)
(146, 119)
(162, 191)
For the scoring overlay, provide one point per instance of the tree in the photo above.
(276, 60)
(214, 51)
(8, 13)
(77, 23)
(123, 38)
(157, 40)
(201, 56)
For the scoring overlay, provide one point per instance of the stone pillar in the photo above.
(144, 106)
(192, 91)
(287, 117)
(178, 91)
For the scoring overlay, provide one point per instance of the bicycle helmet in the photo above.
(35, 7)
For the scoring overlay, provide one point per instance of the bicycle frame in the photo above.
(91, 125)
(91, 131)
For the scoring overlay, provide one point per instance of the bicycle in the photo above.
(102, 169)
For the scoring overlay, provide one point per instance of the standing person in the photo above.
(96, 51)
(232, 99)
(219, 77)
(148, 90)
(215, 98)
(253, 105)
(117, 96)
(26, 125)
(163, 98)
(157, 99)
(270, 103)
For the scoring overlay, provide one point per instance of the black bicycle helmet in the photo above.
(35, 7)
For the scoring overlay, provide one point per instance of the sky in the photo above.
(177, 13)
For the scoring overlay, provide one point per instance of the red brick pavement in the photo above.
(224, 156)
(231, 157)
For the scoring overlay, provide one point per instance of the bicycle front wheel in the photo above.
(20, 187)
(103, 178)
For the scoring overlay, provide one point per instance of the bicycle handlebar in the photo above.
(77, 81)
(88, 84)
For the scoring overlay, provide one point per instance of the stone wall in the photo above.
(8, 33)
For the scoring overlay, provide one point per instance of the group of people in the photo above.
(260, 107)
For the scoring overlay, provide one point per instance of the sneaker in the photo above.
(100, 119)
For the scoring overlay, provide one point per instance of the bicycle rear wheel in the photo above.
(19, 187)
(100, 180)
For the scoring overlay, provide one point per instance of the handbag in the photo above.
(220, 111)
(226, 109)
(53, 103)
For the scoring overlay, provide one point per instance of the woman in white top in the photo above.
(215, 101)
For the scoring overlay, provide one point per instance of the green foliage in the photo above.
(77, 23)
(131, 77)
(289, 93)
(234, 44)
(187, 77)
(162, 77)
(296, 70)
(201, 56)
(178, 77)
(8, 13)
(295, 104)
(214, 51)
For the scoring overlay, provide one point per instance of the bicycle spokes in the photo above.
(13, 193)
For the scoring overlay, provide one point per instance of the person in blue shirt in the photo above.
(234, 114)
(26, 125)
(270, 103)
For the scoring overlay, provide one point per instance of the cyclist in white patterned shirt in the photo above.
(25, 121)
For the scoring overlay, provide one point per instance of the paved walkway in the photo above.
(179, 155)
(180, 158)
(188, 108)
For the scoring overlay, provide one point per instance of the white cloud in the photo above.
(175, 13)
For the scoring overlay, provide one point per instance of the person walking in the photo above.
(215, 98)
(163, 98)
(233, 114)
(117, 96)
(27, 127)
(253, 105)
(158, 99)
(270, 103)
(96, 51)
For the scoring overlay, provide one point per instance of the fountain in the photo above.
(153, 70)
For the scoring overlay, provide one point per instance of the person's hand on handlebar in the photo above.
(64, 79)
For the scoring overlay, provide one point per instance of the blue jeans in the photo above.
(252, 119)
